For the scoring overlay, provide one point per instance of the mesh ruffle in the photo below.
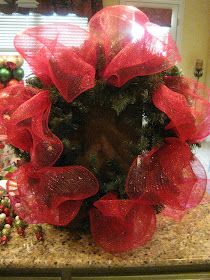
(51, 195)
(27, 125)
(120, 45)
(121, 225)
(186, 103)
(170, 176)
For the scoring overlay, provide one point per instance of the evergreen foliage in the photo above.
(106, 127)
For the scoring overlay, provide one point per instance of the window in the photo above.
(167, 13)
(10, 25)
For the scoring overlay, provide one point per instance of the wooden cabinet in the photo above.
(29, 278)
(68, 276)
(187, 276)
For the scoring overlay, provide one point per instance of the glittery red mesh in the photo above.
(71, 74)
(187, 105)
(48, 51)
(121, 225)
(121, 44)
(47, 147)
(52, 194)
(10, 99)
(132, 45)
(169, 176)
(29, 130)
(195, 194)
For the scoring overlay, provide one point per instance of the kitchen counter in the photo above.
(183, 243)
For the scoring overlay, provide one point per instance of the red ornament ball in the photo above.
(1, 209)
(12, 82)
(9, 220)
(21, 231)
(39, 236)
(7, 211)
(4, 240)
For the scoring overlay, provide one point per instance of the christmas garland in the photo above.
(120, 128)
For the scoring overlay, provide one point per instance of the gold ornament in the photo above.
(2, 61)
(19, 61)
(16, 59)
(11, 58)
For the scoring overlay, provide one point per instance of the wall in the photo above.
(195, 36)
(110, 2)
(208, 70)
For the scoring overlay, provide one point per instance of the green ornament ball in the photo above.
(5, 74)
(6, 232)
(18, 74)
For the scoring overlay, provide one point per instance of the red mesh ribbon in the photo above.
(48, 51)
(187, 105)
(132, 45)
(28, 130)
(50, 195)
(10, 99)
(121, 225)
(169, 176)
(121, 44)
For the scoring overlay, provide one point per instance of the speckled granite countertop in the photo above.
(185, 243)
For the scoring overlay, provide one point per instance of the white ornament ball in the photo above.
(7, 226)
(2, 216)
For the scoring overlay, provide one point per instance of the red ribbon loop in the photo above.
(121, 44)
(121, 225)
(186, 103)
(169, 176)
(51, 195)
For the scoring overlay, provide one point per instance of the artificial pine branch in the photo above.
(106, 127)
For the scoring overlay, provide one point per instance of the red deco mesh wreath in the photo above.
(169, 175)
